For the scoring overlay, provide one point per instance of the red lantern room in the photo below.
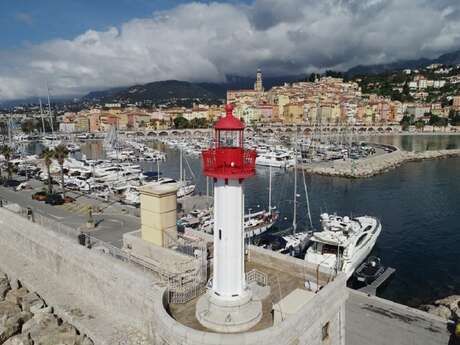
(228, 159)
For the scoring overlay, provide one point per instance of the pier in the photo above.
(371, 289)
(374, 165)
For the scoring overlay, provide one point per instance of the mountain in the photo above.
(452, 58)
(175, 90)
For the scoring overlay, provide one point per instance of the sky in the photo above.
(76, 46)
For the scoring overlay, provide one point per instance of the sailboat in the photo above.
(293, 242)
(185, 187)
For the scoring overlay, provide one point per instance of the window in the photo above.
(220, 234)
(361, 240)
(325, 331)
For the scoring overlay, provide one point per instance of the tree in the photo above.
(181, 122)
(438, 121)
(28, 126)
(405, 126)
(419, 124)
(7, 152)
(455, 120)
(199, 123)
(47, 155)
(61, 153)
(313, 77)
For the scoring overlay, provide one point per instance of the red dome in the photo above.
(229, 122)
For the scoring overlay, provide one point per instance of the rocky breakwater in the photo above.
(25, 319)
(375, 165)
(447, 308)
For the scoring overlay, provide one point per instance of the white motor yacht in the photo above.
(343, 243)
(278, 159)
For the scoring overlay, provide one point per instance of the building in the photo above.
(258, 85)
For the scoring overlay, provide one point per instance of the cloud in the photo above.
(24, 18)
(206, 42)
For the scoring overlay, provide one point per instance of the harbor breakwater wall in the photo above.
(109, 300)
(375, 165)
(115, 302)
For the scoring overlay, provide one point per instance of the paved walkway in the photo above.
(375, 321)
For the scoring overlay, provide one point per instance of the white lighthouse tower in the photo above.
(228, 306)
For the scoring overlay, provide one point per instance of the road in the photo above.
(111, 224)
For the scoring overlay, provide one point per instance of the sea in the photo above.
(417, 203)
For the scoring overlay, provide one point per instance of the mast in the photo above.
(158, 169)
(270, 189)
(41, 113)
(49, 111)
(294, 217)
(181, 176)
(10, 124)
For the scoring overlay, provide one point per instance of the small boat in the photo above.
(369, 270)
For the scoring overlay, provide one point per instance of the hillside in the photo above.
(179, 91)
(445, 59)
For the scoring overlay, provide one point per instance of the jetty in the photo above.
(371, 289)
(375, 165)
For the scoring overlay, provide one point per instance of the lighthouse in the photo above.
(228, 306)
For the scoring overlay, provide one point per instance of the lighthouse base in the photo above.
(228, 316)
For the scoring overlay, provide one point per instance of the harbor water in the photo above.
(417, 203)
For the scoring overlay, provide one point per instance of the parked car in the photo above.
(68, 199)
(54, 199)
(11, 183)
(40, 196)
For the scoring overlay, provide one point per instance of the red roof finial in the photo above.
(229, 122)
(229, 109)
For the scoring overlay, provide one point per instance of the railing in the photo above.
(256, 276)
(229, 162)
(185, 282)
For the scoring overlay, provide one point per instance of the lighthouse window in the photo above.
(220, 234)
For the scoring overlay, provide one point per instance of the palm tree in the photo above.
(7, 152)
(61, 153)
(47, 155)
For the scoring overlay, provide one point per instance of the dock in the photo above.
(371, 289)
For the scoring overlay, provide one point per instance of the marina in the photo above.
(168, 166)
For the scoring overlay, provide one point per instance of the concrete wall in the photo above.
(299, 268)
(303, 328)
(108, 297)
(164, 258)
(120, 290)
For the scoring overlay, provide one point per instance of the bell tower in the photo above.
(258, 85)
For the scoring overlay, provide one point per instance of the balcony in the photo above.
(229, 163)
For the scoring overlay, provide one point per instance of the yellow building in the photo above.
(293, 113)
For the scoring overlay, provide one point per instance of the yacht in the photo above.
(278, 159)
(343, 243)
